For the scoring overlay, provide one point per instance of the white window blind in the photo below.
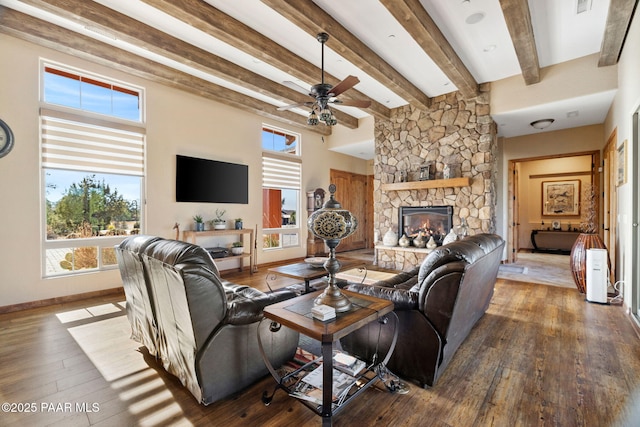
(281, 173)
(90, 145)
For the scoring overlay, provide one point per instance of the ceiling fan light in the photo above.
(542, 123)
(332, 121)
(325, 115)
(312, 120)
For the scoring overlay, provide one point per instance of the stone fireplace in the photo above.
(454, 132)
(431, 221)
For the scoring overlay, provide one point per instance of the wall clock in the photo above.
(6, 138)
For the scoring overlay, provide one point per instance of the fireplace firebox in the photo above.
(434, 221)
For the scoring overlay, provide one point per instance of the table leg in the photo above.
(327, 383)
(307, 286)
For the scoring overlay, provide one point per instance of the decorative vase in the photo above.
(238, 225)
(452, 236)
(219, 225)
(431, 244)
(419, 242)
(579, 257)
(390, 238)
(404, 241)
(199, 226)
(237, 250)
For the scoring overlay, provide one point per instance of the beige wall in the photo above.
(531, 176)
(177, 122)
(626, 102)
(566, 141)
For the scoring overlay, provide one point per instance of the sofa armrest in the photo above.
(402, 299)
(243, 311)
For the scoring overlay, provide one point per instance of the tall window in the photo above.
(281, 182)
(92, 148)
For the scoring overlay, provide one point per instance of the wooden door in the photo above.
(351, 192)
(609, 202)
(513, 244)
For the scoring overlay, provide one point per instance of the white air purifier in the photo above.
(597, 275)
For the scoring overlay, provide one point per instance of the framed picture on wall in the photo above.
(621, 170)
(561, 197)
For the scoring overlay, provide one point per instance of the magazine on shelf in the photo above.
(348, 364)
(310, 386)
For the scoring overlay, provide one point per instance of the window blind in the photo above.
(91, 146)
(281, 173)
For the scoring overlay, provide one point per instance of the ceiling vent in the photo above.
(583, 6)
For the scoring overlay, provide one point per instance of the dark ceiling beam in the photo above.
(51, 36)
(618, 21)
(311, 18)
(216, 23)
(415, 19)
(108, 21)
(518, 19)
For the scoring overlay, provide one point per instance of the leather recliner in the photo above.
(437, 305)
(205, 328)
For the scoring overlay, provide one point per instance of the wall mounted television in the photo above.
(211, 181)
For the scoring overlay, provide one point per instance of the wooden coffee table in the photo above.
(305, 271)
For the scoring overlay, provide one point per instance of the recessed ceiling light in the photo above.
(391, 36)
(474, 18)
(489, 48)
(571, 114)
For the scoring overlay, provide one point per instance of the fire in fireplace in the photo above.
(433, 221)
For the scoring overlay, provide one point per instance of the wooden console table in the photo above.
(191, 236)
(553, 241)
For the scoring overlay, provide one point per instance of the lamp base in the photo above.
(334, 298)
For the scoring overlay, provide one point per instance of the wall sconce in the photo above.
(542, 123)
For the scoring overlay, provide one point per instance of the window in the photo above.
(281, 182)
(92, 170)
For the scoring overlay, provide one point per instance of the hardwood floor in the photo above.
(540, 356)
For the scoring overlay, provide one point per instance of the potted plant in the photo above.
(588, 238)
(199, 222)
(238, 223)
(237, 248)
(219, 223)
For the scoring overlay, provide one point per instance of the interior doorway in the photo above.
(526, 190)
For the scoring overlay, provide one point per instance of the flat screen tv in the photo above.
(211, 181)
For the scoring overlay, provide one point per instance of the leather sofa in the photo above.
(437, 305)
(201, 328)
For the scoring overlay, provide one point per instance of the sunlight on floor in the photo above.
(139, 386)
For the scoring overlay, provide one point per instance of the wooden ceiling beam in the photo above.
(51, 36)
(615, 32)
(311, 18)
(216, 23)
(415, 19)
(518, 19)
(127, 29)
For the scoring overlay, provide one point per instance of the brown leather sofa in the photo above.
(202, 328)
(437, 305)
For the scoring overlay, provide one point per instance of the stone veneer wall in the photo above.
(453, 131)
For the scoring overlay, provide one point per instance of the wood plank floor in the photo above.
(541, 356)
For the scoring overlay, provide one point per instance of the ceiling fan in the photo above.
(325, 94)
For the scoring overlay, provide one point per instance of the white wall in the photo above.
(177, 123)
(626, 102)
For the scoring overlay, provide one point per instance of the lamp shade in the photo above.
(331, 222)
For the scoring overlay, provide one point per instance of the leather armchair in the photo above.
(206, 327)
(437, 305)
